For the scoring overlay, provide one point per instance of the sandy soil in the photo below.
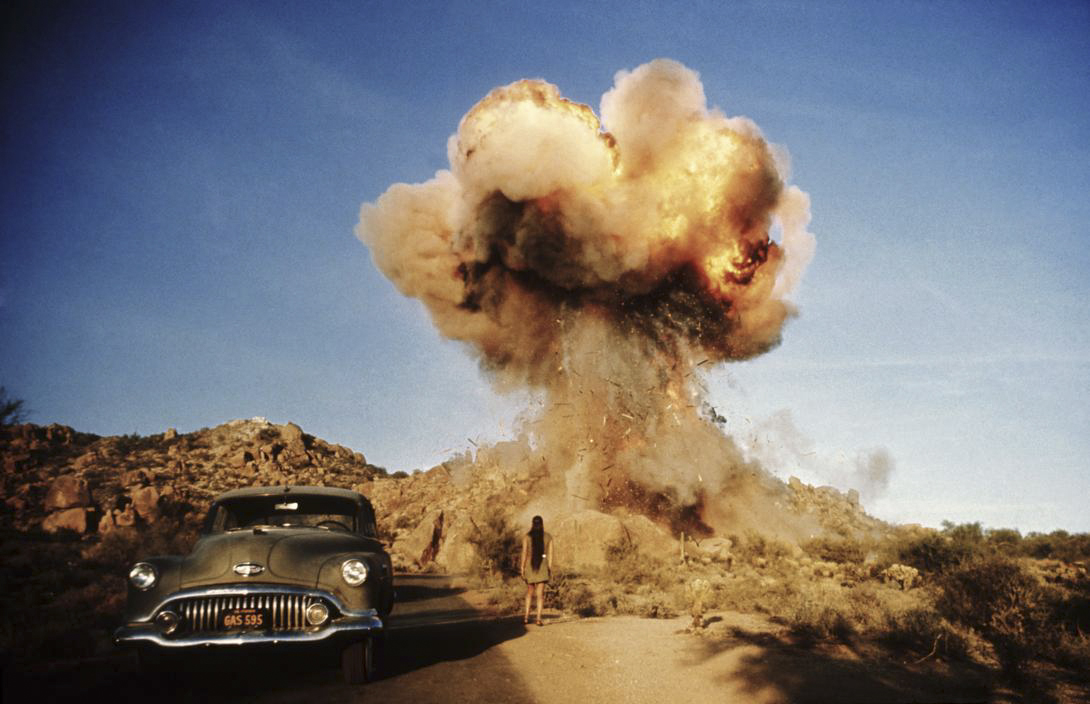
(442, 647)
(739, 658)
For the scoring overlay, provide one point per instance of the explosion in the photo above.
(605, 263)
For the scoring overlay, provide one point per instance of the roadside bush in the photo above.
(121, 547)
(498, 547)
(841, 550)
(1006, 540)
(813, 621)
(569, 592)
(923, 630)
(56, 604)
(995, 596)
(1058, 545)
(999, 599)
(933, 553)
(754, 545)
(960, 543)
(627, 566)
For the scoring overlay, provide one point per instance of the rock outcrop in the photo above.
(58, 479)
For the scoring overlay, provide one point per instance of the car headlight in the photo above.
(143, 576)
(354, 572)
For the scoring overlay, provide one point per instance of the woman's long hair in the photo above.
(537, 541)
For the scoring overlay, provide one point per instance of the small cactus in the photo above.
(698, 591)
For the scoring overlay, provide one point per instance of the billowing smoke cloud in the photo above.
(606, 263)
(778, 442)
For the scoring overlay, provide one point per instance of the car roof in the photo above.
(270, 491)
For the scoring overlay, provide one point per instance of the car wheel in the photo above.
(358, 661)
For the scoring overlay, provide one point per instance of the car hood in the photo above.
(288, 555)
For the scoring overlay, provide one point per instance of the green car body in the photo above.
(273, 565)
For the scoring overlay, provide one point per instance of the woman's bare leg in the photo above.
(526, 611)
(540, 598)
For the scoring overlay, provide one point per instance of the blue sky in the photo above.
(183, 179)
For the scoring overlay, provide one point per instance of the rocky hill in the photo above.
(58, 479)
(77, 509)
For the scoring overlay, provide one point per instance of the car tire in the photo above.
(358, 661)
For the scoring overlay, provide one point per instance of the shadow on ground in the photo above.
(433, 633)
(809, 673)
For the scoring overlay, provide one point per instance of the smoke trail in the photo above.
(605, 263)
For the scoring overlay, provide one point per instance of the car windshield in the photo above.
(322, 512)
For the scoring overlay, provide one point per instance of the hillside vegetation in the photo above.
(78, 509)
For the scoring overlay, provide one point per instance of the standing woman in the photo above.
(537, 550)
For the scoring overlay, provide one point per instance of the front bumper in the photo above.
(347, 625)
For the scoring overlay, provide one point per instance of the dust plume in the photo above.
(607, 263)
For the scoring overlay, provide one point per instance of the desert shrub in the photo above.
(755, 545)
(1058, 545)
(656, 605)
(12, 410)
(134, 442)
(994, 596)
(646, 604)
(56, 604)
(506, 596)
(498, 546)
(121, 547)
(627, 566)
(1003, 539)
(923, 630)
(932, 553)
(968, 535)
(568, 591)
(840, 550)
(813, 621)
(998, 598)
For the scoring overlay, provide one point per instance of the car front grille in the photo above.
(287, 612)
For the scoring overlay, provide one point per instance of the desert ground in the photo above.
(866, 612)
(446, 644)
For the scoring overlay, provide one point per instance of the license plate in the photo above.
(234, 619)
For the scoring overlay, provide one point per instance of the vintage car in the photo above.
(277, 565)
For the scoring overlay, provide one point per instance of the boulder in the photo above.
(293, 438)
(106, 523)
(456, 554)
(170, 434)
(421, 544)
(125, 518)
(136, 477)
(580, 539)
(16, 461)
(67, 491)
(145, 501)
(74, 519)
(87, 459)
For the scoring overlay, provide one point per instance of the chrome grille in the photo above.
(201, 614)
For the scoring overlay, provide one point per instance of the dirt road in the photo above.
(441, 649)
